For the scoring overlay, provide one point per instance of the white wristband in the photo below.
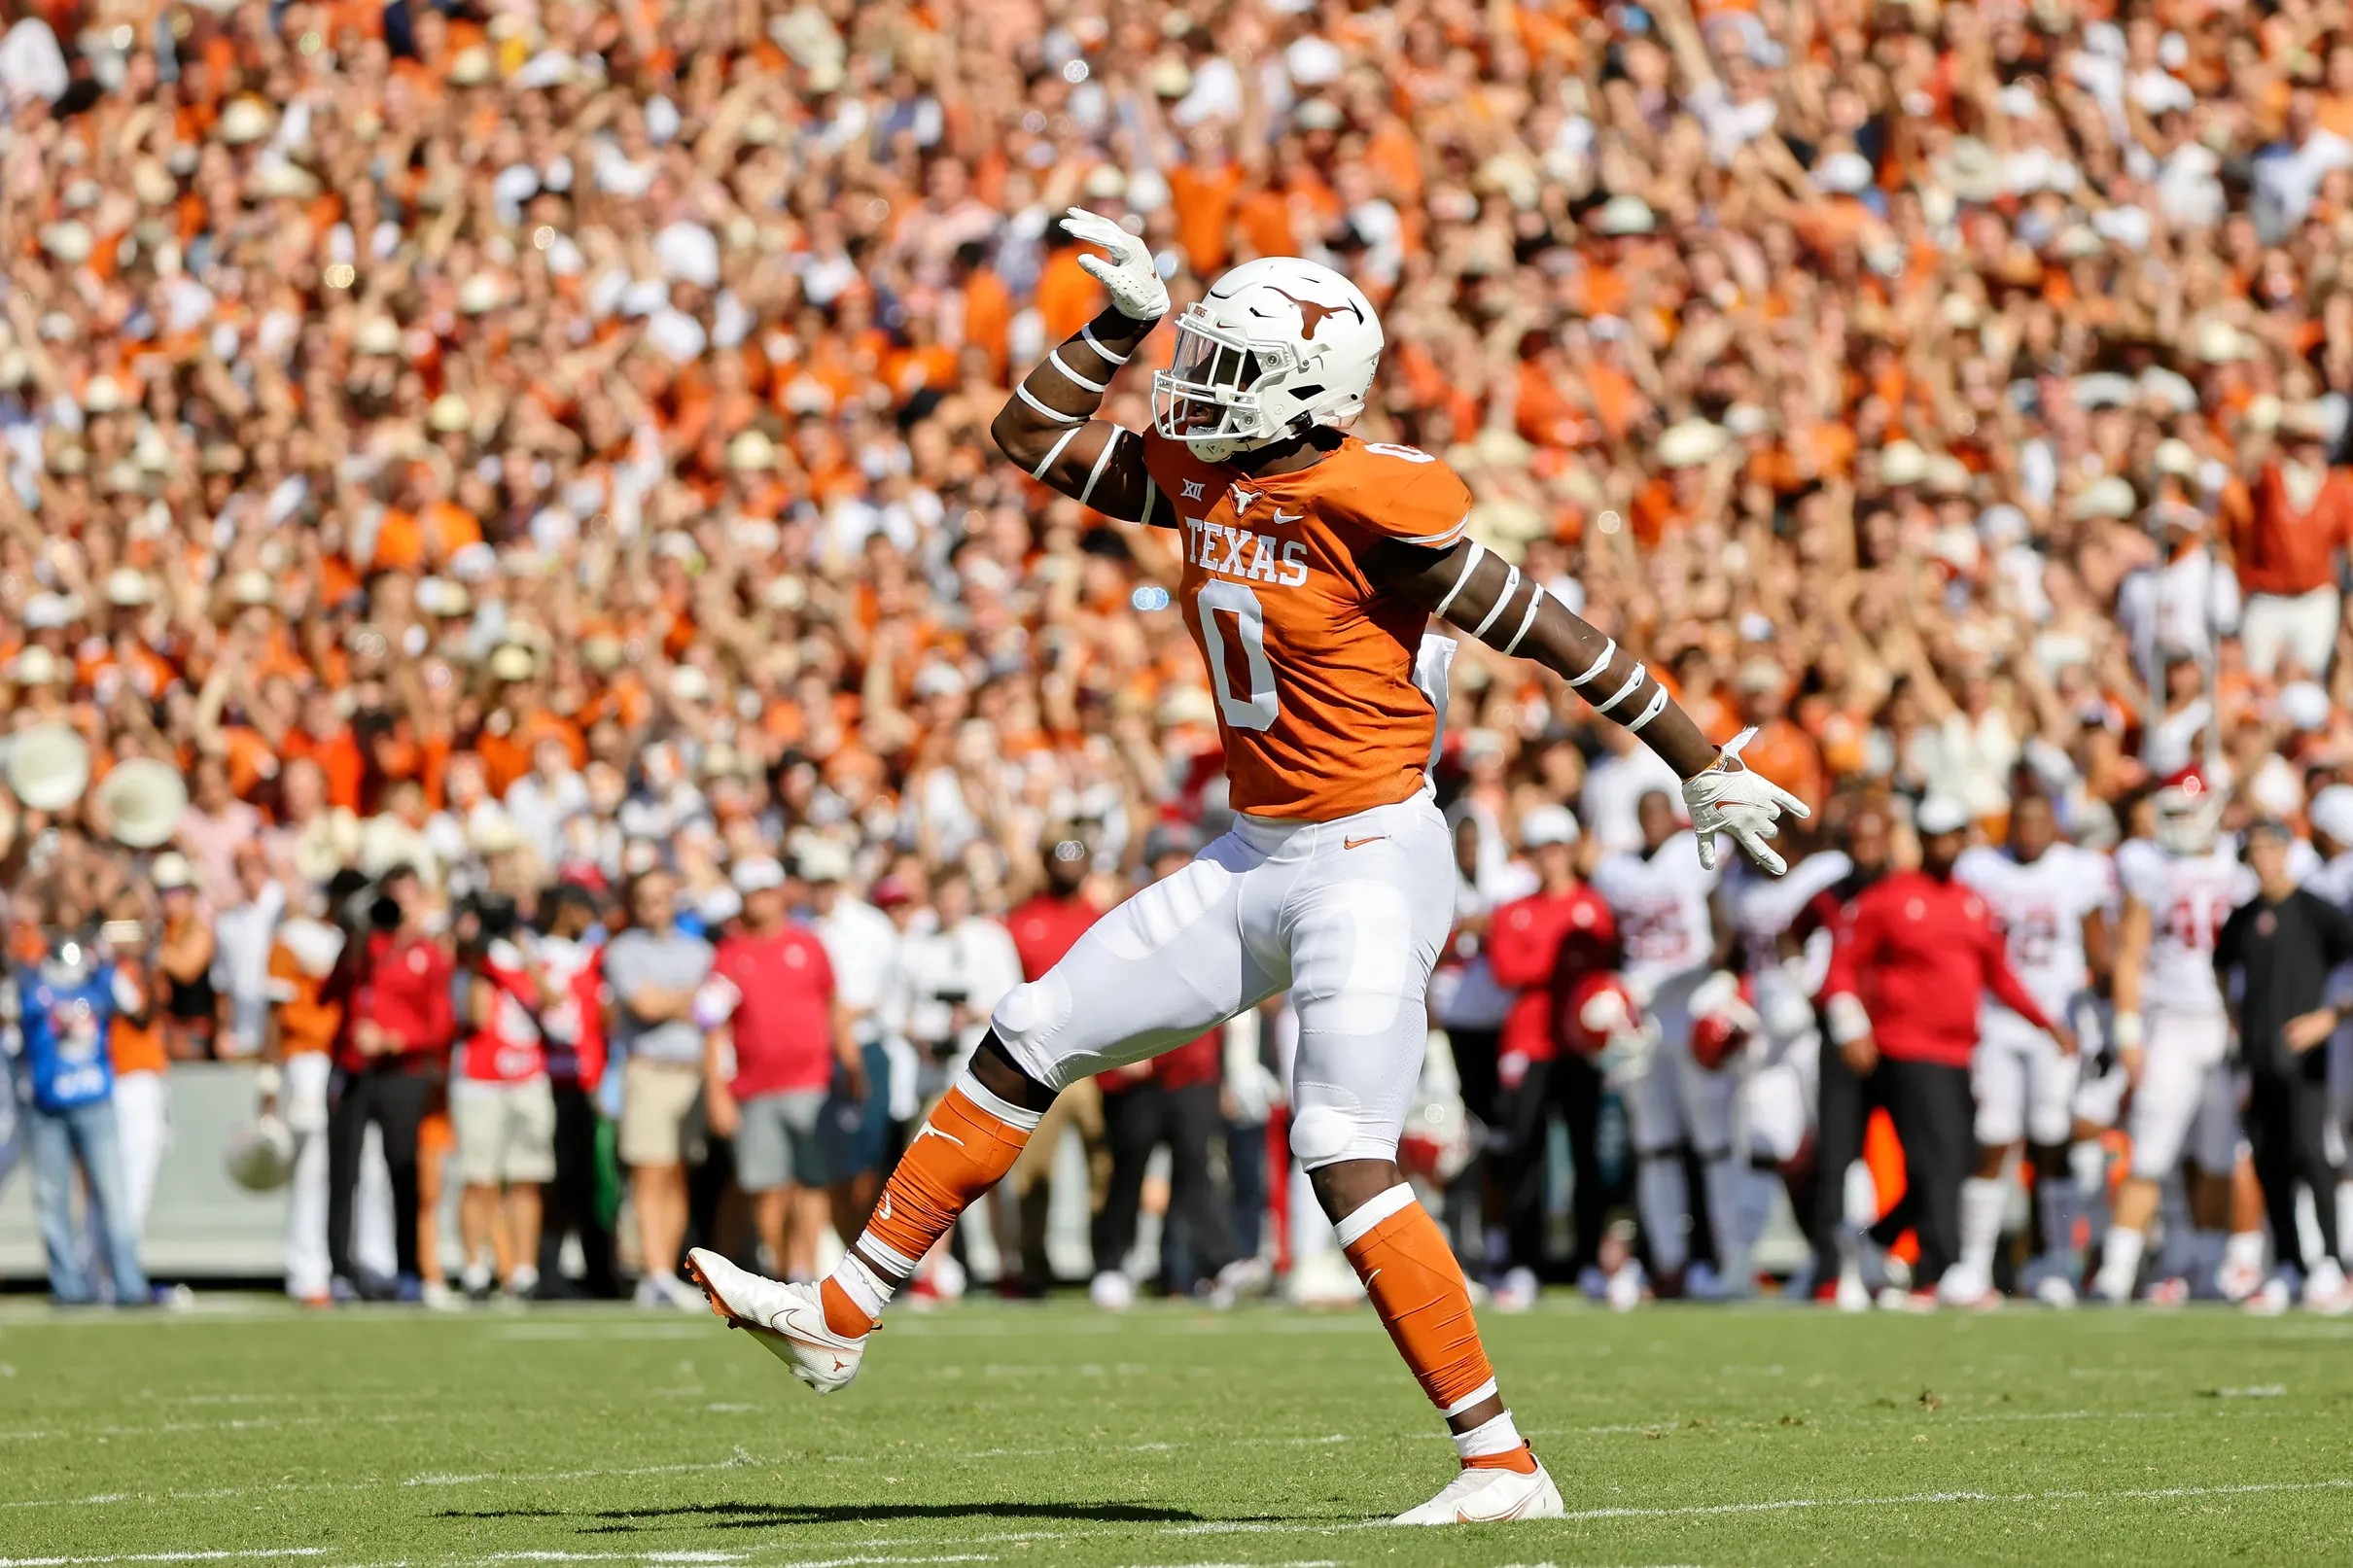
(2126, 1033)
(1848, 1021)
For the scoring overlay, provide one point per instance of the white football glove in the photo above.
(1728, 798)
(1125, 268)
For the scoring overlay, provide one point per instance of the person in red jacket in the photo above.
(1044, 928)
(1542, 947)
(1914, 958)
(1171, 1100)
(393, 1052)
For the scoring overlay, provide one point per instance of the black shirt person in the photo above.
(2273, 959)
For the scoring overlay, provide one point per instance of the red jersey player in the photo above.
(1313, 563)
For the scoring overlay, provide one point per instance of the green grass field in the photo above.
(1055, 1436)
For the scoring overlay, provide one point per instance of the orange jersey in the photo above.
(1313, 665)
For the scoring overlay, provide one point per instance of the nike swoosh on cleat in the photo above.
(1358, 844)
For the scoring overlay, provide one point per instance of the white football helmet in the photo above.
(260, 1157)
(1277, 345)
(2189, 812)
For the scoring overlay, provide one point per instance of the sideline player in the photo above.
(2049, 902)
(1664, 898)
(1785, 958)
(1313, 562)
(2172, 1034)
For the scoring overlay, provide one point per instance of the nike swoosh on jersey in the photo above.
(928, 1131)
(1281, 516)
(1358, 844)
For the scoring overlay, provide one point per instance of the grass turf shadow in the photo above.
(734, 1515)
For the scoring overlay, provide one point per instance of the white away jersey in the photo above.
(2039, 907)
(1660, 904)
(2188, 897)
(1762, 907)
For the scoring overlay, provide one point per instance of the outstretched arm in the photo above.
(1470, 587)
(1048, 427)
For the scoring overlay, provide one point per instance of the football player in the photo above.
(1784, 958)
(1664, 898)
(1313, 563)
(2172, 1035)
(2050, 901)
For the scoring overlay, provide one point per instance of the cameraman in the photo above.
(392, 1050)
(64, 1007)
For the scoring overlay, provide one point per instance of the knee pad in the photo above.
(1026, 1021)
(1331, 1125)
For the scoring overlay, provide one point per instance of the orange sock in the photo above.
(843, 1315)
(1522, 1458)
(963, 1148)
(1418, 1290)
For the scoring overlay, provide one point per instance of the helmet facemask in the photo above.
(1211, 398)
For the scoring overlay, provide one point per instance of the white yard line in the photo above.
(164, 1557)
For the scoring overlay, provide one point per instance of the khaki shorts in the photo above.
(505, 1132)
(661, 1113)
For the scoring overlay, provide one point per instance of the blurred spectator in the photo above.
(305, 1020)
(653, 972)
(572, 1021)
(65, 1001)
(1170, 1102)
(502, 1108)
(864, 947)
(772, 1066)
(392, 987)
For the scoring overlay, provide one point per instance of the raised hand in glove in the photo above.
(1728, 798)
(1125, 268)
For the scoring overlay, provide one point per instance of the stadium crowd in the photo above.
(525, 467)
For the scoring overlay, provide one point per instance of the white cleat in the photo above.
(2053, 1290)
(789, 1321)
(2270, 1299)
(1488, 1497)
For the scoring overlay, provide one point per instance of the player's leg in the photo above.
(2164, 1103)
(1577, 1089)
(1516, 1147)
(1363, 926)
(2000, 1074)
(1132, 1127)
(1708, 1096)
(1195, 1195)
(1654, 1112)
(1157, 971)
(2229, 1202)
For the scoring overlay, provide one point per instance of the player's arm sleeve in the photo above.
(1048, 427)
(1462, 582)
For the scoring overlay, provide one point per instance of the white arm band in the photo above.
(1634, 683)
(1848, 1021)
(1470, 564)
(1054, 359)
(1101, 459)
(1024, 393)
(1650, 710)
(1055, 451)
(1535, 602)
(1086, 335)
(1593, 673)
(1511, 585)
(2125, 1031)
